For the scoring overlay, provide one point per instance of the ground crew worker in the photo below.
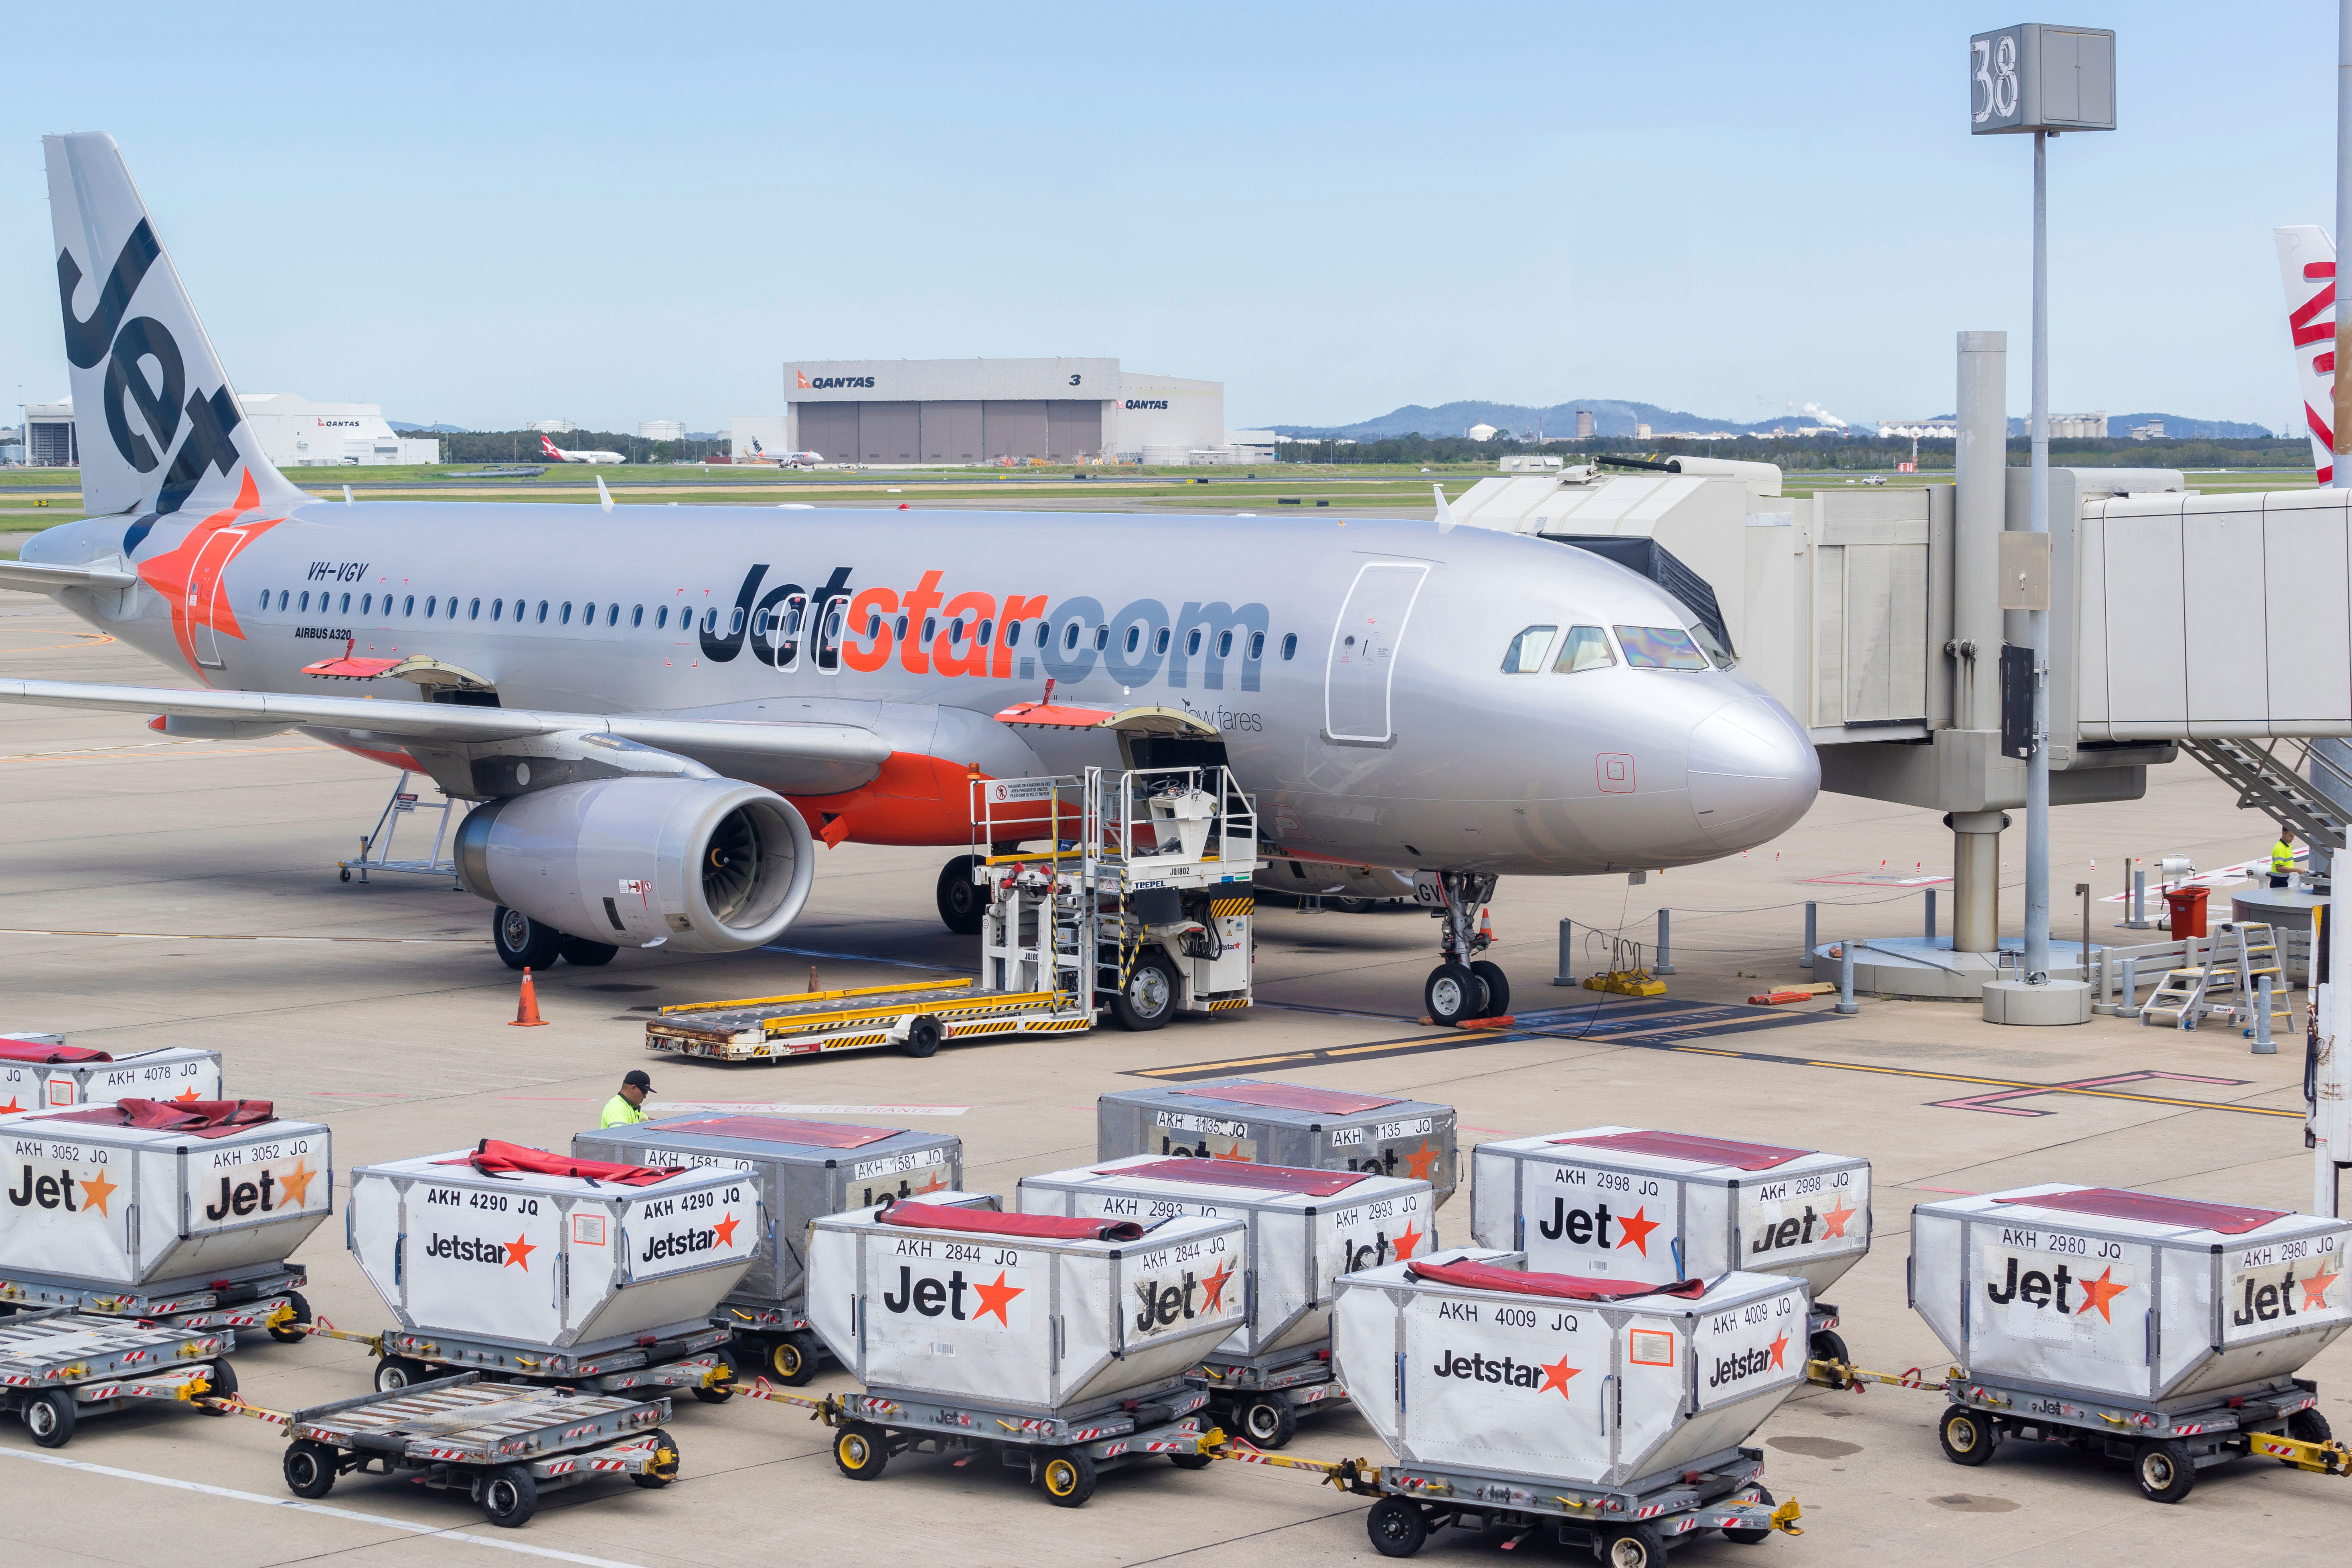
(2283, 857)
(629, 1105)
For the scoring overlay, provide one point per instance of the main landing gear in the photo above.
(1465, 986)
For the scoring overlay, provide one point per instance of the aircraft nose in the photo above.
(1752, 772)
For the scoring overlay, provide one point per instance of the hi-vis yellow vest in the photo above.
(2281, 858)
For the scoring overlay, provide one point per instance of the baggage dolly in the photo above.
(58, 1367)
(691, 1360)
(273, 1301)
(1625, 1528)
(915, 1019)
(503, 1442)
(1262, 1397)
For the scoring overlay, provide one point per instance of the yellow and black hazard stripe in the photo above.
(1240, 906)
(1229, 1004)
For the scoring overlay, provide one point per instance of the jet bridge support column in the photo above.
(1982, 465)
(1976, 879)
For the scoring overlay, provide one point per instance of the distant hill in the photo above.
(406, 428)
(1615, 416)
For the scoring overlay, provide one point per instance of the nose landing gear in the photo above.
(1463, 986)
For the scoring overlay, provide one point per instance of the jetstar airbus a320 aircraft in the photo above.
(659, 707)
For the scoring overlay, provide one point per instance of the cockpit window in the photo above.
(1660, 648)
(1587, 648)
(1525, 654)
(1723, 657)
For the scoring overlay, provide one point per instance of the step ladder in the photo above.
(2280, 779)
(2237, 956)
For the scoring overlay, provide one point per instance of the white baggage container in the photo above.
(43, 1073)
(495, 1242)
(1294, 1124)
(1306, 1229)
(217, 1190)
(2144, 1298)
(1021, 1312)
(1626, 1202)
(1476, 1380)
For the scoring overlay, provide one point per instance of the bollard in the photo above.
(1666, 956)
(1845, 979)
(1567, 975)
(1812, 935)
(2263, 1045)
(2139, 900)
(1931, 917)
(2128, 1004)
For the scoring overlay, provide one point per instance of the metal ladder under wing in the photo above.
(2273, 777)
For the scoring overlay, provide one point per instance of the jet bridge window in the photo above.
(1525, 654)
(1587, 648)
(1660, 648)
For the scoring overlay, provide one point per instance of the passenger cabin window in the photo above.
(1289, 644)
(1160, 643)
(661, 617)
(735, 622)
(987, 628)
(588, 615)
(1660, 648)
(452, 611)
(1258, 644)
(347, 604)
(497, 606)
(1525, 654)
(281, 598)
(1011, 634)
(542, 612)
(367, 602)
(1070, 637)
(1587, 648)
(306, 601)
(474, 609)
(1102, 638)
(637, 616)
(1225, 644)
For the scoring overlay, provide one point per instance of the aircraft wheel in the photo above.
(523, 943)
(962, 902)
(1454, 995)
(1499, 988)
(588, 954)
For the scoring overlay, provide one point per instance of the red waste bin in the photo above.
(2187, 907)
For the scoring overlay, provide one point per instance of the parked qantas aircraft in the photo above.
(557, 454)
(658, 713)
(2307, 268)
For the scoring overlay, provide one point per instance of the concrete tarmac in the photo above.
(164, 892)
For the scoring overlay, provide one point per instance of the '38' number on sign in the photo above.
(1996, 74)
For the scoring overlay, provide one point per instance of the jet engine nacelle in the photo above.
(706, 865)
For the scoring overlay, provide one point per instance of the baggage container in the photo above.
(522, 1247)
(1250, 1120)
(141, 1196)
(41, 1072)
(1027, 1313)
(1469, 1366)
(2157, 1301)
(1628, 1203)
(801, 1170)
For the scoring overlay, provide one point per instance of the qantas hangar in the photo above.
(984, 410)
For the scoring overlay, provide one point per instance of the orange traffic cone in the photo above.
(527, 1010)
(1487, 923)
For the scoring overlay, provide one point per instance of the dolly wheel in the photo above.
(791, 1360)
(1827, 1345)
(1192, 1461)
(220, 1377)
(858, 1450)
(2308, 1427)
(1069, 1478)
(664, 1469)
(395, 1373)
(310, 1468)
(1397, 1526)
(509, 1497)
(2164, 1470)
(1755, 1537)
(49, 1417)
(1268, 1421)
(923, 1037)
(1968, 1437)
(290, 1335)
(1633, 1546)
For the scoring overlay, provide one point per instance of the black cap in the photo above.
(638, 1079)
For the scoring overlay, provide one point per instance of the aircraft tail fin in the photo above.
(160, 430)
(547, 444)
(2307, 268)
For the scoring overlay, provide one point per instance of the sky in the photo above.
(611, 214)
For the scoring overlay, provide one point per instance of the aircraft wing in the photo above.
(39, 577)
(449, 723)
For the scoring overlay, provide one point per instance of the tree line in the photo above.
(1796, 453)
(522, 446)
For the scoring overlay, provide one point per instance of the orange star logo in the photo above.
(1833, 1222)
(1234, 1154)
(297, 1183)
(938, 1184)
(725, 1231)
(1407, 1242)
(995, 1299)
(95, 1191)
(1779, 1348)
(188, 1093)
(2315, 1289)
(1214, 1285)
(1556, 1375)
(12, 1105)
(1637, 1231)
(188, 576)
(2099, 1292)
(519, 1253)
(1419, 1161)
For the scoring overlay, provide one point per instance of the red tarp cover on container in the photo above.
(2114, 1203)
(492, 1157)
(1696, 1150)
(1292, 1097)
(197, 1118)
(783, 1130)
(35, 1051)
(1231, 1174)
(1037, 1227)
(1486, 1276)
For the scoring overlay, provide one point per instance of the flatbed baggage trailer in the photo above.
(44, 1073)
(1306, 1230)
(917, 1018)
(2163, 1332)
(506, 1445)
(1254, 1121)
(1628, 1438)
(59, 1367)
(1070, 1359)
(803, 1169)
(1630, 1203)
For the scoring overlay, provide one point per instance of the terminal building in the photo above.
(991, 410)
(293, 433)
